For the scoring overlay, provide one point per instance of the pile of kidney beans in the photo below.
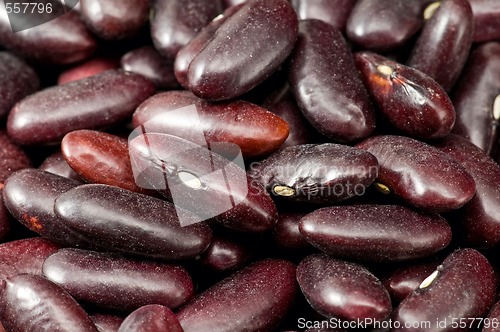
(369, 196)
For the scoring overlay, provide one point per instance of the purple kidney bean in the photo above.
(264, 31)
(88, 68)
(175, 22)
(202, 181)
(85, 275)
(255, 298)
(96, 101)
(487, 19)
(410, 100)
(151, 318)
(106, 323)
(326, 85)
(129, 222)
(420, 174)
(147, 62)
(33, 303)
(333, 12)
(226, 254)
(492, 322)
(375, 232)
(342, 289)
(115, 19)
(317, 173)
(477, 98)
(481, 216)
(443, 46)
(463, 287)
(56, 164)
(287, 234)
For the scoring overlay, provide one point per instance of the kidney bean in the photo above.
(32, 303)
(12, 158)
(151, 318)
(255, 298)
(480, 218)
(86, 69)
(226, 254)
(375, 232)
(333, 12)
(462, 287)
(202, 181)
(342, 289)
(175, 22)
(420, 174)
(147, 62)
(287, 234)
(255, 130)
(85, 275)
(443, 46)
(264, 30)
(115, 19)
(491, 323)
(326, 85)
(410, 100)
(477, 100)
(487, 20)
(231, 3)
(317, 173)
(106, 323)
(96, 101)
(56, 164)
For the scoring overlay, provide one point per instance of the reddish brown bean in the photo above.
(226, 254)
(106, 323)
(287, 234)
(56, 164)
(88, 68)
(151, 318)
(487, 19)
(333, 12)
(12, 158)
(491, 323)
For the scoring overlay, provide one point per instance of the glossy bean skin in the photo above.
(464, 288)
(151, 318)
(115, 19)
(326, 86)
(88, 68)
(97, 101)
(231, 3)
(444, 44)
(147, 62)
(255, 130)
(265, 30)
(17, 81)
(255, 298)
(323, 280)
(226, 254)
(494, 317)
(316, 173)
(33, 303)
(85, 275)
(56, 164)
(334, 12)
(100, 158)
(161, 159)
(384, 24)
(420, 174)
(487, 20)
(106, 323)
(375, 232)
(475, 95)
(410, 100)
(175, 22)
(287, 234)
(480, 218)
(132, 223)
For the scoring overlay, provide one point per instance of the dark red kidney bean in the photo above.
(333, 12)
(56, 164)
(33, 303)
(384, 24)
(463, 287)
(420, 174)
(226, 254)
(410, 100)
(255, 130)
(106, 323)
(255, 298)
(492, 322)
(151, 318)
(476, 98)
(163, 161)
(96, 101)
(341, 289)
(88, 68)
(147, 62)
(481, 216)
(264, 30)
(135, 283)
(100, 158)
(326, 85)
(121, 220)
(61, 41)
(30, 194)
(287, 234)
(444, 44)
(403, 281)
(487, 19)
(175, 22)
(317, 173)
(17, 81)
(115, 19)
(5, 220)
(231, 3)
(375, 232)
(25, 256)
(12, 158)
